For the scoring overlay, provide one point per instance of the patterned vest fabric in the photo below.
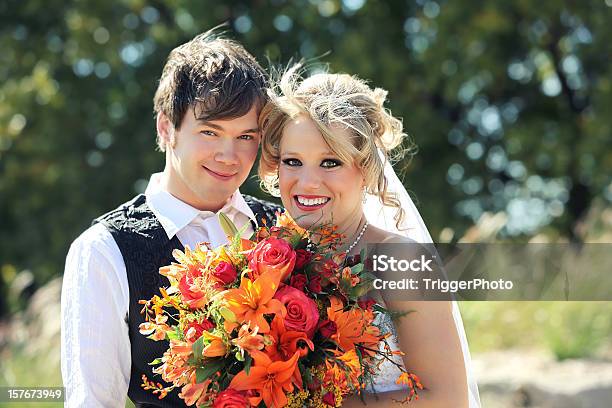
(145, 248)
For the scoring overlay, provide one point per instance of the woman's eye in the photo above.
(246, 137)
(292, 162)
(329, 163)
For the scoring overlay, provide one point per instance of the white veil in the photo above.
(413, 227)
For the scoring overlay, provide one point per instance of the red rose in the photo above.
(272, 254)
(231, 398)
(329, 399)
(199, 327)
(327, 328)
(366, 304)
(315, 284)
(302, 312)
(299, 281)
(302, 258)
(225, 272)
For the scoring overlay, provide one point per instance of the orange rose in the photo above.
(272, 254)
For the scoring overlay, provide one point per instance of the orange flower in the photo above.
(349, 277)
(174, 368)
(253, 299)
(192, 276)
(194, 393)
(215, 347)
(156, 330)
(287, 342)
(246, 245)
(248, 340)
(285, 221)
(413, 383)
(272, 254)
(270, 379)
(353, 326)
(344, 371)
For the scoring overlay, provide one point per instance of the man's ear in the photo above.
(165, 129)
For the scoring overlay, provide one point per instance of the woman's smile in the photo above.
(310, 202)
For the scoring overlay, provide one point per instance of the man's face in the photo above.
(208, 160)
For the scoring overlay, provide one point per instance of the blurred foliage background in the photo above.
(508, 102)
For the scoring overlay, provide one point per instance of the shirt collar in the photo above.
(174, 214)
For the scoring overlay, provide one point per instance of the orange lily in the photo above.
(285, 221)
(216, 346)
(248, 340)
(270, 379)
(285, 344)
(194, 393)
(157, 330)
(286, 341)
(253, 299)
(174, 368)
(344, 371)
(352, 326)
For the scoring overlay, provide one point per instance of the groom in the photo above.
(207, 104)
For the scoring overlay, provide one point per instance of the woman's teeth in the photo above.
(312, 201)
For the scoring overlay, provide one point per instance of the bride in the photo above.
(326, 142)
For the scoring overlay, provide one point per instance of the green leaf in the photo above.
(174, 335)
(228, 226)
(295, 240)
(210, 367)
(394, 314)
(368, 276)
(357, 269)
(247, 363)
(155, 362)
(198, 348)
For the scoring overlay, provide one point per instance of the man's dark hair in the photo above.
(214, 76)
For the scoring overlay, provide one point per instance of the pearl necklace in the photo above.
(363, 230)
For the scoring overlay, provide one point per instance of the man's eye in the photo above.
(329, 163)
(246, 137)
(292, 162)
(208, 133)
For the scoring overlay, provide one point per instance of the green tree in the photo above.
(507, 102)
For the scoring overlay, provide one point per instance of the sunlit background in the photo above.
(508, 102)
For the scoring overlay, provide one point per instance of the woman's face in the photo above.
(315, 186)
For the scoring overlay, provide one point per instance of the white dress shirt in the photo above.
(95, 346)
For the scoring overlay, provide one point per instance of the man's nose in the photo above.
(226, 153)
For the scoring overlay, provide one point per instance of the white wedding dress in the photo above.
(414, 228)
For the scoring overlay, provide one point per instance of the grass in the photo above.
(21, 369)
(565, 329)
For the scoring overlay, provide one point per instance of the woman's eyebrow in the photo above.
(326, 153)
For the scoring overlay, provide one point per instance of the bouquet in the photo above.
(281, 319)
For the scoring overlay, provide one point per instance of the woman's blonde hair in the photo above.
(332, 101)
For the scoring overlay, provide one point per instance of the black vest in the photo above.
(145, 248)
